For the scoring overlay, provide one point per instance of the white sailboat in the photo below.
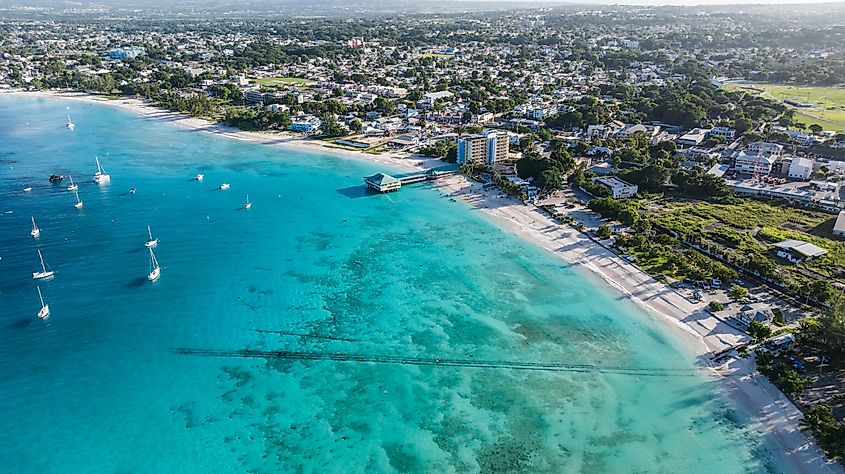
(45, 309)
(78, 204)
(224, 186)
(155, 269)
(248, 204)
(70, 123)
(35, 232)
(200, 176)
(152, 242)
(72, 186)
(44, 273)
(101, 177)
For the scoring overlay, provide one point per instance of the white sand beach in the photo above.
(701, 332)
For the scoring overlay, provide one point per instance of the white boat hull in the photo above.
(154, 275)
(150, 244)
(45, 311)
(224, 186)
(73, 187)
(102, 178)
(42, 275)
(78, 205)
(35, 232)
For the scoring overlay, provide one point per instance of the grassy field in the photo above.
(282, 81)
(828, 108)
(748, 226)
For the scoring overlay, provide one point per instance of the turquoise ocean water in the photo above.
(321, 269)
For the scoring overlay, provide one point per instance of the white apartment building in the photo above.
(619, 189)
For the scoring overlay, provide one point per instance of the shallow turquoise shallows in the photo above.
(446, 317)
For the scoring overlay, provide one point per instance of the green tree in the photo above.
(737, 292)
(604, 232)
(759, 331)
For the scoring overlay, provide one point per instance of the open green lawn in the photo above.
(282, 81)
(828, 102)
(746, 226)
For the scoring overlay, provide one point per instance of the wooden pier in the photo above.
(384, 183)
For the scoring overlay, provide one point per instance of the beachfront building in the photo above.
(383, 183)
(485, 149)
(619, 189)
(307, 124)
(754, 164)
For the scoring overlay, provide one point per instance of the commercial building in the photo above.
(839, 226)
(618, 189)
(765, 149)
(725, 132)
(488, 148)
(801, 168)
(430, 98)
(694, 137)
(754, 164)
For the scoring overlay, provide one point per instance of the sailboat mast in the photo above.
(150, 231)
(33, 224)
(41, 257)
(41, 298)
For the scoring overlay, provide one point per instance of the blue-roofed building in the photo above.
(383, 183)
(128, 53)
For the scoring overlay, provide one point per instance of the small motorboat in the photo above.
(200, 176)
(27, 189)
(224, 186)
(132, 191)
(55, 178)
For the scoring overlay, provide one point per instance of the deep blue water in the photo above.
(321, 267)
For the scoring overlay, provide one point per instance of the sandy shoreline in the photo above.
(699, 331)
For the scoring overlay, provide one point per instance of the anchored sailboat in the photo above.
(100, 177)
(72, 186)
(78, 204)
(248, 204)
(152, 242)
(155, 269)
(70, 123)
(45, 309)
(35, 232)
(224, 186)
(44, 273)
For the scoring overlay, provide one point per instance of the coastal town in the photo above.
(697, 165)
